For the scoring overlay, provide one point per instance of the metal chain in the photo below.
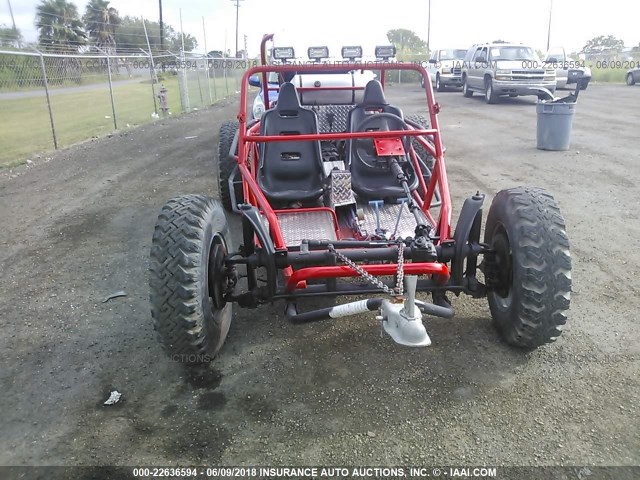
(400, 272)
(397, 292)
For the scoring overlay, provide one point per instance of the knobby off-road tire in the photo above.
(423, 122)
(190, 240)
(225, 164)
(531, 278)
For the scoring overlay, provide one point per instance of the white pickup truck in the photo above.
(445, 68)
(568, 71)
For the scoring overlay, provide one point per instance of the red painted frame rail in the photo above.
(248, 140)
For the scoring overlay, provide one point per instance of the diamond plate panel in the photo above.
(340, 117)
(329, 166)
(388, 219)
(298, 226)
(341, 193)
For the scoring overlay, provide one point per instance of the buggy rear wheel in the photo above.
(188, 278)
(226, 165)
(529, 275)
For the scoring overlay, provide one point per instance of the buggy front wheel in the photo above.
(188, 278)
(529, 273)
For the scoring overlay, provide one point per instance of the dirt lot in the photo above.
(77, 228)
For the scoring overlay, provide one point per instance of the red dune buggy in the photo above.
(340, 194)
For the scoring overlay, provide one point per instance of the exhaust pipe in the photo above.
(402, 321)
(338, 311)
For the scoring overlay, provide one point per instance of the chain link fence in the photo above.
(51, 101)
(407, 76)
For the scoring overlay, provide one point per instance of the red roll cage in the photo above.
(248, 161)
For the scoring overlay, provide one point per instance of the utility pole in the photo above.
(429, 28)
(237, 4)
(549, 31)
(181, 31)
(161, 26)
(13, 21)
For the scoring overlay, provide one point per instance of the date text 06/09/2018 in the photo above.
(354, 472)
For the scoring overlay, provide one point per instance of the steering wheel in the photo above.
(392, 119)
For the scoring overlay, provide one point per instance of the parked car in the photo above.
(498, 69)
(633, 76)
(568, 71)
(445, 68)
(357, 78)
(258, 102)
(329, 78)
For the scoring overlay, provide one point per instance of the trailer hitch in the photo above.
(401, 320)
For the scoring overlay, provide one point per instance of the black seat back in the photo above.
(372, 100)
(368, 182)
(290, 171)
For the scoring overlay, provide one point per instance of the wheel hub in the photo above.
(502, 265)
(217, 276)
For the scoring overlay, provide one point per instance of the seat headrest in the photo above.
(288, 98)
(373, 94)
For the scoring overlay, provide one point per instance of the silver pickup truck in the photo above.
(445, 68)
(500, 69)
(568, 71)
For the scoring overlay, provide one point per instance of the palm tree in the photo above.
(59, 26)
(101, 21)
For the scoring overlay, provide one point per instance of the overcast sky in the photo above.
(364, 22)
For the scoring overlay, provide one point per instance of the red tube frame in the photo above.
(253, 194)
(440, 271)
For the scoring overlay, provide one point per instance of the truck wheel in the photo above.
(465, 88)
(225, 164)
(630, 79)
(439, 86)
(490, 95)
(188, 278)
(529, 275)
(424, 157)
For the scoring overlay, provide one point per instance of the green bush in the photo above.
(616, 75)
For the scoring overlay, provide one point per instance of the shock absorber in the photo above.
(421, 219)
(422, 246)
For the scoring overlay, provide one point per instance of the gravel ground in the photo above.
(76, 227)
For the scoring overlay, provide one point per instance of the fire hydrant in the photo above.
(163, 101)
